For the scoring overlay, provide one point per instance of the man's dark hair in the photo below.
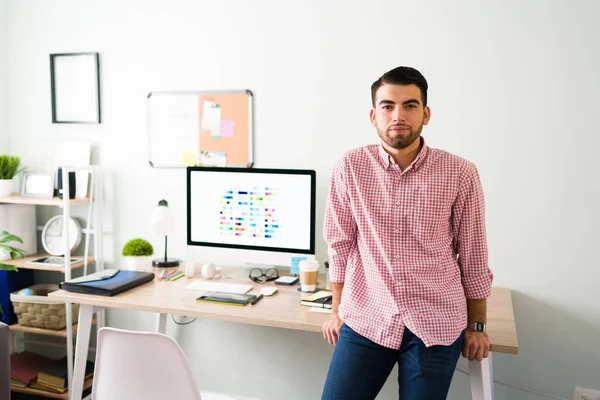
(401, 76)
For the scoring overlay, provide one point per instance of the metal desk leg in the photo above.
(482, 379)
(86, 312)
(162, 324)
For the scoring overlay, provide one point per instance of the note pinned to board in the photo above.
(206, 116)
(212, 159)
(227, 128)
(188, 158)
(215, 122)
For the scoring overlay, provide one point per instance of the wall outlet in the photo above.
(586, 394)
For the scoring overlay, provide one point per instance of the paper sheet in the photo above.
(320, 309)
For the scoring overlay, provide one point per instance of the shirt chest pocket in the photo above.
(427, 212)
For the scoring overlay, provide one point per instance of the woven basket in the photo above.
(33, 308)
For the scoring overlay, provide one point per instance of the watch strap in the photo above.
(477, 326)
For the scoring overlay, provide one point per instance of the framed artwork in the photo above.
(38, 184)
(75, 84)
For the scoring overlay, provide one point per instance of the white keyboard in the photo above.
(219, 287)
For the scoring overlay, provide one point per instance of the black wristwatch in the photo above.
(477, 326)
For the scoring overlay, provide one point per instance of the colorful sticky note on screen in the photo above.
(295, 269)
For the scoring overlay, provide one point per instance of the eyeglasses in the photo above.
(260, 276)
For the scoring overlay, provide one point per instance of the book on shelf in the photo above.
(322, 298)
(24, 367)
(52, 389)
(47, 388)
(14, 382)
(55, 374)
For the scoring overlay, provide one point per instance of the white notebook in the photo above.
(219, 287)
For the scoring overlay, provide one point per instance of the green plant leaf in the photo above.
(6, 267)
(11, 238)
(17, 254)
(10, 249)
(9, 166)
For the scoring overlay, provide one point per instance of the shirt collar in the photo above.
(387, 159)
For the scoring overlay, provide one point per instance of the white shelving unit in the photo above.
(93, 227)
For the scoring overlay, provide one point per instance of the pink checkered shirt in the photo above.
(410, 246)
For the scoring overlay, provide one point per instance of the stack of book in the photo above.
(24, 367)
(53, 378)
(28, 369)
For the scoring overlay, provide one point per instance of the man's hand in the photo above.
(331, 328)
(476, 346)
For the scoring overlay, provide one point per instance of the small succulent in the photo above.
(137, 247)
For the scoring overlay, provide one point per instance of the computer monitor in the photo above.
(250, 216)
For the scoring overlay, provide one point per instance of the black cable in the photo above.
(182, 323)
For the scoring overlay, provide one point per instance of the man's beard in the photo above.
(400, 142)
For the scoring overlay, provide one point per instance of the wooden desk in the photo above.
(281, 310)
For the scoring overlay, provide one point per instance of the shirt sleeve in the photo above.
(339, 228)
(470, 243)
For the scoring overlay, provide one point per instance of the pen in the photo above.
(170, 274)
(176, 276)
(256, 300)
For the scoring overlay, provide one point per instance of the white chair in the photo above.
(143, 365)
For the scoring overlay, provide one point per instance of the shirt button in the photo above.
(397, 231)
(397, 203)
(399, 283)
(397, 257)
(402, 309)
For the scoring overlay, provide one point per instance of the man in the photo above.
(405, 229)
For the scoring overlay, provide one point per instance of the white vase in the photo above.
(5, 187)
(138, 263)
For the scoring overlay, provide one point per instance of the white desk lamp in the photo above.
(161, 222)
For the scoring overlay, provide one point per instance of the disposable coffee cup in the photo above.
(309, 272)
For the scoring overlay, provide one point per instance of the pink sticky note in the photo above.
(227, 128)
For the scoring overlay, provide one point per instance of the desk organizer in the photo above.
(33, 308)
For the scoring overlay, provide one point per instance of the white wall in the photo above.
(514, 88)
(4, 136)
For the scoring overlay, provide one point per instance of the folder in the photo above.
(108, 282)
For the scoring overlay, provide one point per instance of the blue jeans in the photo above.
(359, 368)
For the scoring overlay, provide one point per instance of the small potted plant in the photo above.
(137, 252)
(9, 167)
(9, 252)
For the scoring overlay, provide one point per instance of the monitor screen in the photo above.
(270, 210)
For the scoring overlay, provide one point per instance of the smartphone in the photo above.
(286, 280)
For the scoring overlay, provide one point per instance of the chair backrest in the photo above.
(141, 365)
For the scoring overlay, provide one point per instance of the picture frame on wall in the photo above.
(75, 87)
(38, 184)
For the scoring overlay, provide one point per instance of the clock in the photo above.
(53, 238)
